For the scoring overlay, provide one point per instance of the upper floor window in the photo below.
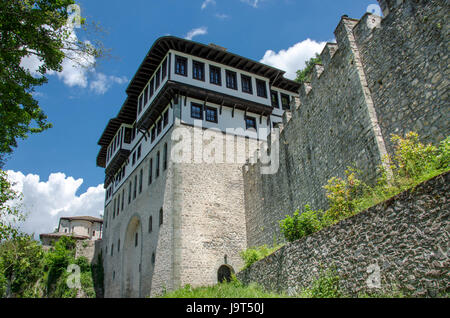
(139, 152)
(166, 118)
(145, 96)
(250, 122)
(150, 171)
(198, 70)
(159, 126)
(129, 191)
(165, 157)
(215, 76)
(211, 114)
(164, 69)
(133, 161)
(140, 102)
(261, 89)
(140, 180)
(158, 158)
(127, 136)
(153, 133)
(158, 78)
(285, 101)
(246, 84)
(196, 111)
(152, 87)
(231, 79)
(135, 187)
(181, 65)
(274, 99)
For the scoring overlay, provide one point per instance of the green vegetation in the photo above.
(233, 289)
(324, 286)
(412, 164)
(26, 270)
(252, 255)
(304, 75)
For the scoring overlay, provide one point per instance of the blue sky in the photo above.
(80, 103)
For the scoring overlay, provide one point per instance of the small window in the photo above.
(159, 126)
(127, 138)
(231, 79)
(165, 157)
(158, 158)
(274, 99)
(153, 133)
(198, 71)
(150, 224)
(139, 152)
(135, 187)
(181, 65)
(250, 122)
(150, 172)
(215, 75)
(164, 69)
(158, 78)
(141, 173)
(161, 217)
(112, 250)
(211, 114)
(140, 102)
(129, 191)
(246, 84)
(285, 101)
(118, 246)
(134, 159)
(118, 204)
(166, 118)
(123, 198)
(152, 87)
(145, 96)
(136, 240)
(196, 111)
(261, 89)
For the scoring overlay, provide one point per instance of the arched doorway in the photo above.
(224, 273)
(132, 259)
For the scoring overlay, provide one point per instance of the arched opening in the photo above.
(132, 259)
(224, 273)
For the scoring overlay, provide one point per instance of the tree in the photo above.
(36, 28)
(304, 75)
(10, 213)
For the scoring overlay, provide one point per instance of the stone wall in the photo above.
(366, 89)
(405, 240)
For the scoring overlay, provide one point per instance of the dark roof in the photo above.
(82, 218)
(127, 113)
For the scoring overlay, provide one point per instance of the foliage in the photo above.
(10, 213)
(233, 289)
(304, 75)
(32, 28)
(21, 262)
(300, 225)
(325, 286)
(252, 255)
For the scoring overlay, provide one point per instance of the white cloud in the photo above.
(253, 3)
(103, 82)
(293, 58)
(221, 16)
(45, 202)
(195, 32)
(206, 3)
(77, 67)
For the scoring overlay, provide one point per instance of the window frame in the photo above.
(288, 107)
(244, 78)
(233, 75)
(214, 110)
(217, 70)
(196, 65)
(200, 106)
(247, 118)
(261, 84)
(181, 60)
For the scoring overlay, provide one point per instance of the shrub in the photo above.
(299, 225)
(252, 255)
(325, 286)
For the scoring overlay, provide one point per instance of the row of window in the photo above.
(211, 115)
(153, 85)
(118, 204)
(215, 76)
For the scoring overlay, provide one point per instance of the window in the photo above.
(112, 250)
(157, 163)
(140, 104)
(118, 204)
(136, 240)
(215, 75)
(250, 122)
(134, 159)
(196, 111)
(150, 172)
(261, 89)
(135, 187)
(140, 180)
(153, 133)
(274, 98)
(93, 233)
(165, 157)
(161, 217)
(118, 246)
(211, 114)
(127, 138)
(152, 87)
(166, 118)
(139, 152)
(285, 101)
(158, 78)
(246, 82)
(123, 198)
(181, 65)
(150, 224)
(129, 192)
(231, 79)
(145, 96)
(159, 126)
(164, 69)
(198, 71)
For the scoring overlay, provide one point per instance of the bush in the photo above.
(325, 286)
(300, 225)
(252, 255)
